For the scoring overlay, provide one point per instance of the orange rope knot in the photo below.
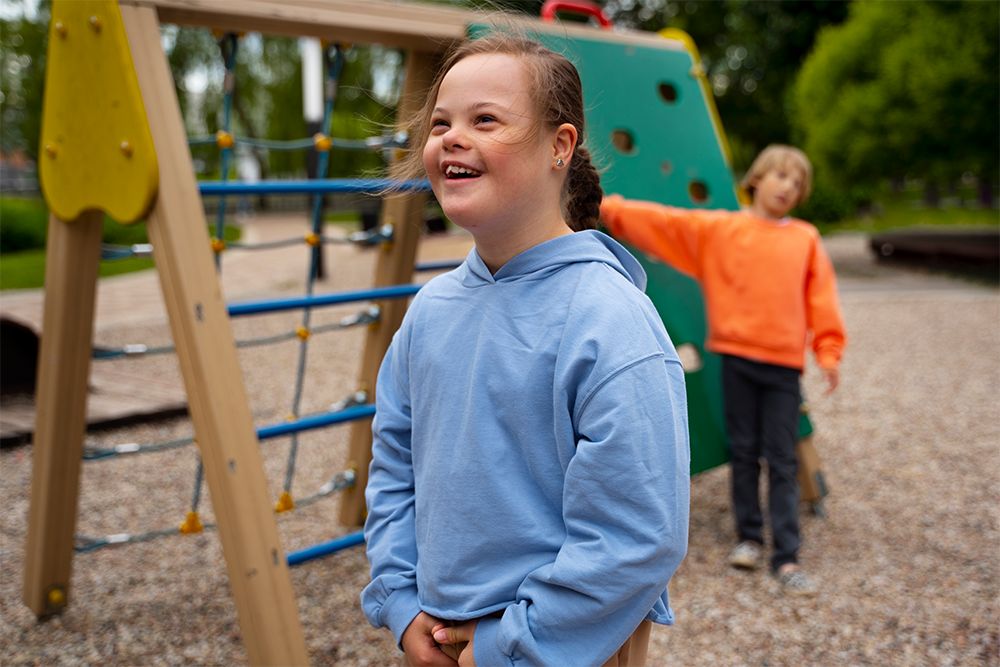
(312, 238)
(285, 503)
(192, 524)
(218, 245)
(302, 333)
(322, 142)
(224, 139)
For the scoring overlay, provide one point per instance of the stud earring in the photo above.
(560, 163)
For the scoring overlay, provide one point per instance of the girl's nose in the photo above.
(453, 138)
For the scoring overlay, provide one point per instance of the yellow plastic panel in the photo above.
(96, 149)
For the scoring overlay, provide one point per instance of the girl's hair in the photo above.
(777, 156)
(558, 96)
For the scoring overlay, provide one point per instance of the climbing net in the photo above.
(354, 406)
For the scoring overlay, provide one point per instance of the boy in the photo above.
(769, 286)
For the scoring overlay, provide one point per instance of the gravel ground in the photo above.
(906, 558)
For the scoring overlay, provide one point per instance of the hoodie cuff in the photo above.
(399, 610)
(486, 643)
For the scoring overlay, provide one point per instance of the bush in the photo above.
(23, 223)
(827, 204)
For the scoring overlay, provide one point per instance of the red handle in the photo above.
(591, 9)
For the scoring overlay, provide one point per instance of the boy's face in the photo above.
(778, 191)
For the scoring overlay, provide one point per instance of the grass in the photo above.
(901, 211)
(26, 269)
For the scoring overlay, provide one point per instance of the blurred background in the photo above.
(896, 103)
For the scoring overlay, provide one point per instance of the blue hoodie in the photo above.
(531, 462)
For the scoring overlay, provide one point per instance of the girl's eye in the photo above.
(439, 125)
(485, 119)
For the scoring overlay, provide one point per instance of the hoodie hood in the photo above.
(546, 258)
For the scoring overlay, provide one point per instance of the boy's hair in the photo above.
(773, 157)
(558, 96)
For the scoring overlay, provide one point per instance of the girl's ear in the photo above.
(564, 143)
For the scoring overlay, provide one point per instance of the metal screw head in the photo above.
(96, 23)
(126, 148)
(60, 29)
(51, 150)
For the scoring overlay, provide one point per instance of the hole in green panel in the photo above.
(623, 141)
(698, 192)
(668, 92)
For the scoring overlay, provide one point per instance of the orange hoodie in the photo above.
(768, 284)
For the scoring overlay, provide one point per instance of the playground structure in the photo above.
(122, 121)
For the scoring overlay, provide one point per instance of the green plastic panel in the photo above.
(651, 133)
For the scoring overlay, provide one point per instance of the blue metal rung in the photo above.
(276, 305)
(316, 421)
(442, 265)
(314, 186)
(325, 549)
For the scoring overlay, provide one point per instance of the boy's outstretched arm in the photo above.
(670, 234)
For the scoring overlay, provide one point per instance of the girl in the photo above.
(528, 495)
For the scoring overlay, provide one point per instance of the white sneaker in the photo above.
(746, 555)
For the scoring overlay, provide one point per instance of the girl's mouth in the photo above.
(455, 172)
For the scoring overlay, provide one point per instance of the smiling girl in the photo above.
(529, 486)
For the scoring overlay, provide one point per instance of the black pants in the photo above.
(762, 418)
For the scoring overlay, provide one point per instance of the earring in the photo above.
(560, 163)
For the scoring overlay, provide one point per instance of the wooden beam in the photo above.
(407, 25)
(72, 257)
(220, 411)
(395, 266)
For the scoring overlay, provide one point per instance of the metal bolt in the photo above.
(126, 148)
(96, 23)
(51, 150)
(60, 29)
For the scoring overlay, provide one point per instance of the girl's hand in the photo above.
(419, 645)
(832, 376)
(458, 634)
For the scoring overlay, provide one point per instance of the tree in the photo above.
(23, 44)
(904, 89)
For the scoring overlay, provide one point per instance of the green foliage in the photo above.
(23, 223)
(827, 204)
(23, 46)
(903, 89)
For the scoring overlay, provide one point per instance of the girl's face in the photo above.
(778, 191)
(488, 161)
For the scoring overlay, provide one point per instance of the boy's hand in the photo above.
(458, 634)
(832, 376)
(419, 646)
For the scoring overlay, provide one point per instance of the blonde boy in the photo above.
(770, 290)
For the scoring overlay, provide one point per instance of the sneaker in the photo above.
(795, 582)
(746, 555)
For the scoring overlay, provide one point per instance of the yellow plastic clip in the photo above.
(321, 142)
(218, 245)
(192, 524)
(312, 238)
(223, 139)
(302, 333)
(285, 503)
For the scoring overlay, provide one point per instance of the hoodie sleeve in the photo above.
(391, 598)
(625, 509)
(823, 315)
(672, 235)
